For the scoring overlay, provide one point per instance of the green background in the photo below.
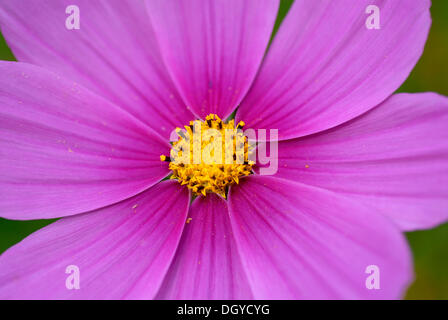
(429, 247)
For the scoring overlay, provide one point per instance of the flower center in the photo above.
(210, 155)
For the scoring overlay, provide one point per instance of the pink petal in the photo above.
(206, 265)
(114, 53)
(297, 241)
(65, 150)
(325, 67)
(213, 48)
(393, 158)
(122, 251)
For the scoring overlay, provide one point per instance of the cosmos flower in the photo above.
(86, 114)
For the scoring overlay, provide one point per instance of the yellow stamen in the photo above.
(210, 155)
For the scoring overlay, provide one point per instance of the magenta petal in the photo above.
(325, 67)
(65, 150)
(114, 53)
(206, 265)
(393, 158)
(122, 251)
(301, 242)
(213, 48)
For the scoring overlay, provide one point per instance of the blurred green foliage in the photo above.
(429, 247)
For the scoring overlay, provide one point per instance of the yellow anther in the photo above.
(240, 124)
(210, 155)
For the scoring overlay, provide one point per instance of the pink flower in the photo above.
(85, 115)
